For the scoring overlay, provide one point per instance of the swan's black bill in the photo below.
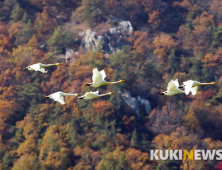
(88, 84)
(81, 97)
(25, 68)
(161, 94)
(181, 87)
(47, 97)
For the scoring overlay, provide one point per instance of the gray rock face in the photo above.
(135, 102)
(146, 103)
(123, 26)
(91, 40)
(69, 53)
(110, 40)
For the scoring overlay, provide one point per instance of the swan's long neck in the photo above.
(212, 83)
(115, 82)
(106, 94)
(48, 65)
(69, 94)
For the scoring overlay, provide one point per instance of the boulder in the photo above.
(109, 40)
(135, 102)
(69, 54)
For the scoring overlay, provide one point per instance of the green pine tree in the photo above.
(16, 13)
(60, 39)
(134, 139)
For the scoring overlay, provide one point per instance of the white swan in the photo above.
(172, 88)
(40, 67)
(192, 86)
(92, 95)
(59, 96)
(98, 79)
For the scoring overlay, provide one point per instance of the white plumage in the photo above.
(172, 88)
(99, 79)
(59, 96)
(40, 67)
(192, 86)
(92, 95)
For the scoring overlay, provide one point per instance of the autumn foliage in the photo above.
(170, 39)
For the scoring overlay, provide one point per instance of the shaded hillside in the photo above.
(145, 43)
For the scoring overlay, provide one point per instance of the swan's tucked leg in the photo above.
(43, 70)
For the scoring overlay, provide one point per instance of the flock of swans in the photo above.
(99, 80)
(189, 86)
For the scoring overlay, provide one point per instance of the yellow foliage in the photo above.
(81, 166)
(28, 146)
(44, 23)
(29, 126)
(78, 151)
(52, 160)
(33, 42)
(191, 121)
(111, 158)
(6, 111)
(53, 151)
(192, 164)
(164, 44)
(154, 18)
(185, 4)
(213, 144)
(27, 162)
(141, 42)
(121, 140)
(102, 108)
(176, 140)
(211, 59)
(137, 160)
(14, 29)
(24, 53)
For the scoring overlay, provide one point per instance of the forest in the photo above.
(168, 39)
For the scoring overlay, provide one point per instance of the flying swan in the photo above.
(192, 86)
(40, 67)
(59, 96)
(98, 79)
(172, 88)
(92, 95)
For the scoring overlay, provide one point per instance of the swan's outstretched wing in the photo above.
(188, 86)
(36, 67)
(91, 95)
(56, 96)
(43, 70)
(96, 92)
(171, 86)
(176, 83)
(97, 76)
(194, 90)
(103, 74)
(61, 100)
